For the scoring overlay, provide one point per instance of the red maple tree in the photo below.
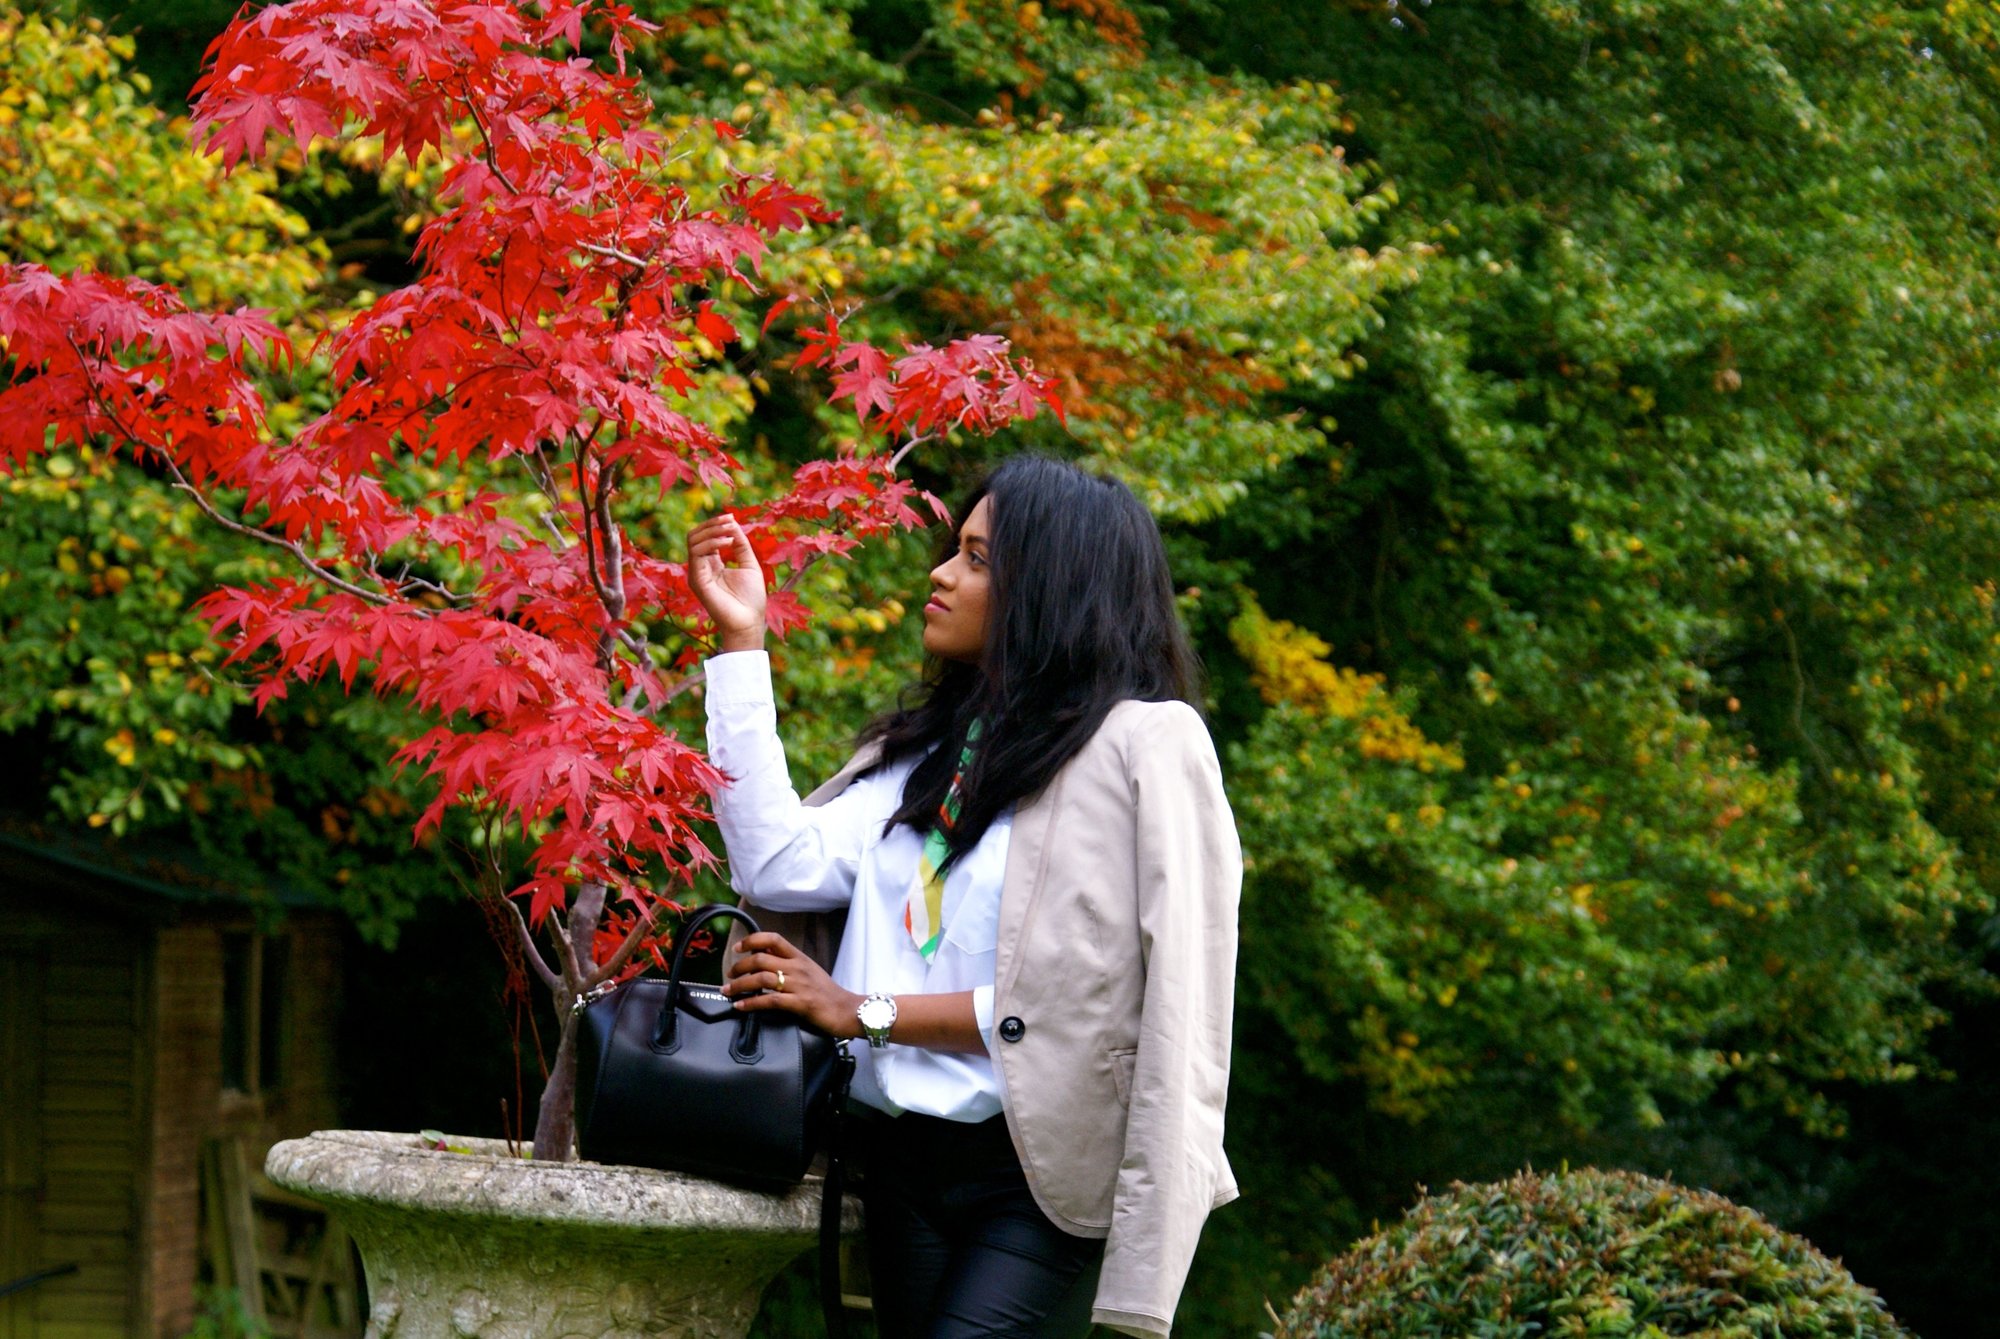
(548, 337)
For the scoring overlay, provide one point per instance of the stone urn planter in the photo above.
(480, 1243)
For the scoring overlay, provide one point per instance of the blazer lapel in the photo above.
(1028, 851)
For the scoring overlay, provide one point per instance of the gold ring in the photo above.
(781, 979)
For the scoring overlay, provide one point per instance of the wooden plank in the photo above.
(88, 1158)
(232, 1205)
(100, 1292)
(97, 1190)
(111, 1050)
(93, 1132)
(88, 1037)
(63, 1329)
(87, 1248)
(61, 1301)
(68, 1067)
(87, 1007)
(71, 974)
(85, 1099)
(82, 1130)
(75, 981)
(84, 1107)
(99, 1219)
(23, 1052)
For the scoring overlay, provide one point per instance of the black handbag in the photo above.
(670, 1075)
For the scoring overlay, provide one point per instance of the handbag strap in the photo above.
(834, 1188)
(833, 1192)
(701, 917)
(664, 1026)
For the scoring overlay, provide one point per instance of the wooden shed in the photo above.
(156, 1037)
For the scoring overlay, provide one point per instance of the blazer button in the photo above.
(1012, 1029)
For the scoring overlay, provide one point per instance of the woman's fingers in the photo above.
(723, 572)
(740, 548)
(723, 534)
(772, 999)
(762, 956)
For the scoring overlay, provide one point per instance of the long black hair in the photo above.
(1080, 617)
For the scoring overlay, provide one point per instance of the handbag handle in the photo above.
(663, 1030)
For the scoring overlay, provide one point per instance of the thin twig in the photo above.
(492, 158)
(908, 447)
(612, 253)
(403, 580)
(1799, 690)
(291, 546)
(692, 679)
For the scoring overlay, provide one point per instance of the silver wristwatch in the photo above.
(877, 1014)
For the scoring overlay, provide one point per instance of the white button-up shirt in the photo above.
(790, 857)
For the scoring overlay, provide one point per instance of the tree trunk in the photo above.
(555, 1123)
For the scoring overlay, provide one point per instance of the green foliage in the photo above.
(1573, 425)
(1584, 1253)
(1667, 484)
(105, 680)
(97, 177)
(221, 1314)
(1175, 247)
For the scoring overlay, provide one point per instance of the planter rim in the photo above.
(360, 1168)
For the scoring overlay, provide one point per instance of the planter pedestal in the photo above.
(482, 1244)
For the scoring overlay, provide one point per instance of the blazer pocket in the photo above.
(1123, 1061)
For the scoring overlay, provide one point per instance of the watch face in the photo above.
(877, 1012)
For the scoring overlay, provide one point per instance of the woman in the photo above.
(1039, 838)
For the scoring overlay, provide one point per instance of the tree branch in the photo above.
(612, 253)
(612, 592)
(641, 929)
(572, 972)
(584, 916)
(291, 546)
(535, 960)
(691, 679)
(908, 447)
(589, 514)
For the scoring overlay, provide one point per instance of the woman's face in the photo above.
(955, 617)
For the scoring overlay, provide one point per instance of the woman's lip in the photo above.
(940, 607)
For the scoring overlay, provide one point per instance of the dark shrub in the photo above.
(1585, 1253)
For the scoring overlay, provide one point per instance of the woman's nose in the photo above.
(941, 574)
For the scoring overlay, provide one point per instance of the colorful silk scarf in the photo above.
(923, 910)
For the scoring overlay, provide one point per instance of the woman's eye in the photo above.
(975, 560)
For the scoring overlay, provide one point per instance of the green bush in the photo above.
(1584, 1253)
(221, 1314)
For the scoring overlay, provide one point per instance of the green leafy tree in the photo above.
(1573, 428)
(105, 679)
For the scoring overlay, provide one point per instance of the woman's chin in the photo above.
(945, 649)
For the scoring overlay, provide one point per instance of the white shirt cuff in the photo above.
(737, 678)
(982, 1013)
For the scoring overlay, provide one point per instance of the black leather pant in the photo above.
(957, 1247)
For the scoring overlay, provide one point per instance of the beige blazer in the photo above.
(1115, 975)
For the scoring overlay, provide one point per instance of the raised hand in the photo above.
(728, 580)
